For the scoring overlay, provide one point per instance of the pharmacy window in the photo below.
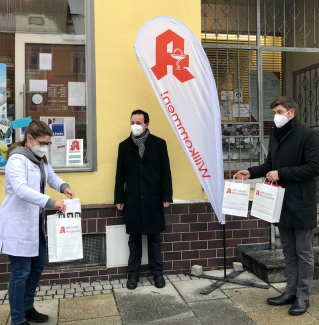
(46, 73)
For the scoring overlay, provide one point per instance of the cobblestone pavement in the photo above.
(48, 292)
(178, 303)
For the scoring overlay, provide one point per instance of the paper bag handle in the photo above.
(234, 179)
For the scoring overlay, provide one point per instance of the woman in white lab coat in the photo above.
(22, 232)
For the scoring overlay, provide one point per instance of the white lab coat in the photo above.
(19, 212)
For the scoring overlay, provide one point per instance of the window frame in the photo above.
(89, 41)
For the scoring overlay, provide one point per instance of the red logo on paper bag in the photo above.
(75, 146)
(257, 192)
(62, 230)
(176, 57)
(228, 191)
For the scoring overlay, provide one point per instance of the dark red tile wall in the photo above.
(193, 236)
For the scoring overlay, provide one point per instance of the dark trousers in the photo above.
(297, 247)
(154, 253)
(25, 276)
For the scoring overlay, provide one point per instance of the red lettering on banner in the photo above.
(257, 192)
(204, 170)
(168, 100)
(228, 191)
(193, 153)
(177, 59)
(188, 143)
(183, 133)
(171, 109)
(177, 119)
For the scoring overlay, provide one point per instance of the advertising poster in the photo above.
(3, 90)
(242, 110)
(271, 91)
(69, 123)
(58, 147)
(74, 153)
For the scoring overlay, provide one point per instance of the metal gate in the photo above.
(246, 43)
(306, 94)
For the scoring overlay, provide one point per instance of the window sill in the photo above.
(62, 169)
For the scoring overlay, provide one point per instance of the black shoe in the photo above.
(159, 281)
(284, 299)
(131, 283)
(33, 316)
(299, 307)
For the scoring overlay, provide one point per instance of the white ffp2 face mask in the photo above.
(137, 130)
(281, 120)
(38, 150)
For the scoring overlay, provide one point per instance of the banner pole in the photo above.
(224, 245)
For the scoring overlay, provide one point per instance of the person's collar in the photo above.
(280, 132)
(27, 153)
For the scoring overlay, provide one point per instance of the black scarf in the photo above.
(279, 133)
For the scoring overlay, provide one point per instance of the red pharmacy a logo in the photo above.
(75, 145)
(170, 51)
(257, 192)
(228, 191)
(62, 230)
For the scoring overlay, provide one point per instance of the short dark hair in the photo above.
(285, 102)
(140, 112)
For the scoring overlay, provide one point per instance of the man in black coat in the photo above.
(143, 184)
(293, 161)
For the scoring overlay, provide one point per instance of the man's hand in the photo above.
(60, 205)
(242, 174)
(166, 204)
(120, 206)
(69, 193)
(273, 176)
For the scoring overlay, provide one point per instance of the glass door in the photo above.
(51, 87)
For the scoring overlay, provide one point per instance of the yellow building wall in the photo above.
(122, 87)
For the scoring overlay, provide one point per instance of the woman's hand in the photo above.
(69, 193)
(60, 205)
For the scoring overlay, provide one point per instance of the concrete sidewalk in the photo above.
(179, 303)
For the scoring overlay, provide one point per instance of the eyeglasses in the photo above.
(43, 143)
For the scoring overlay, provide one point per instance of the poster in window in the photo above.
(74, 153)
(58, 147)
(76, 93)
(68, 121)
(271, 91)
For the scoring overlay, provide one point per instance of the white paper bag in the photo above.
(236, 198)
(267, 202)
(65, 234)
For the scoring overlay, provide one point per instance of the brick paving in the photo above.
(48, 292)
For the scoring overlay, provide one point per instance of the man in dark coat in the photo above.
(143, 185)
(293, 161)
